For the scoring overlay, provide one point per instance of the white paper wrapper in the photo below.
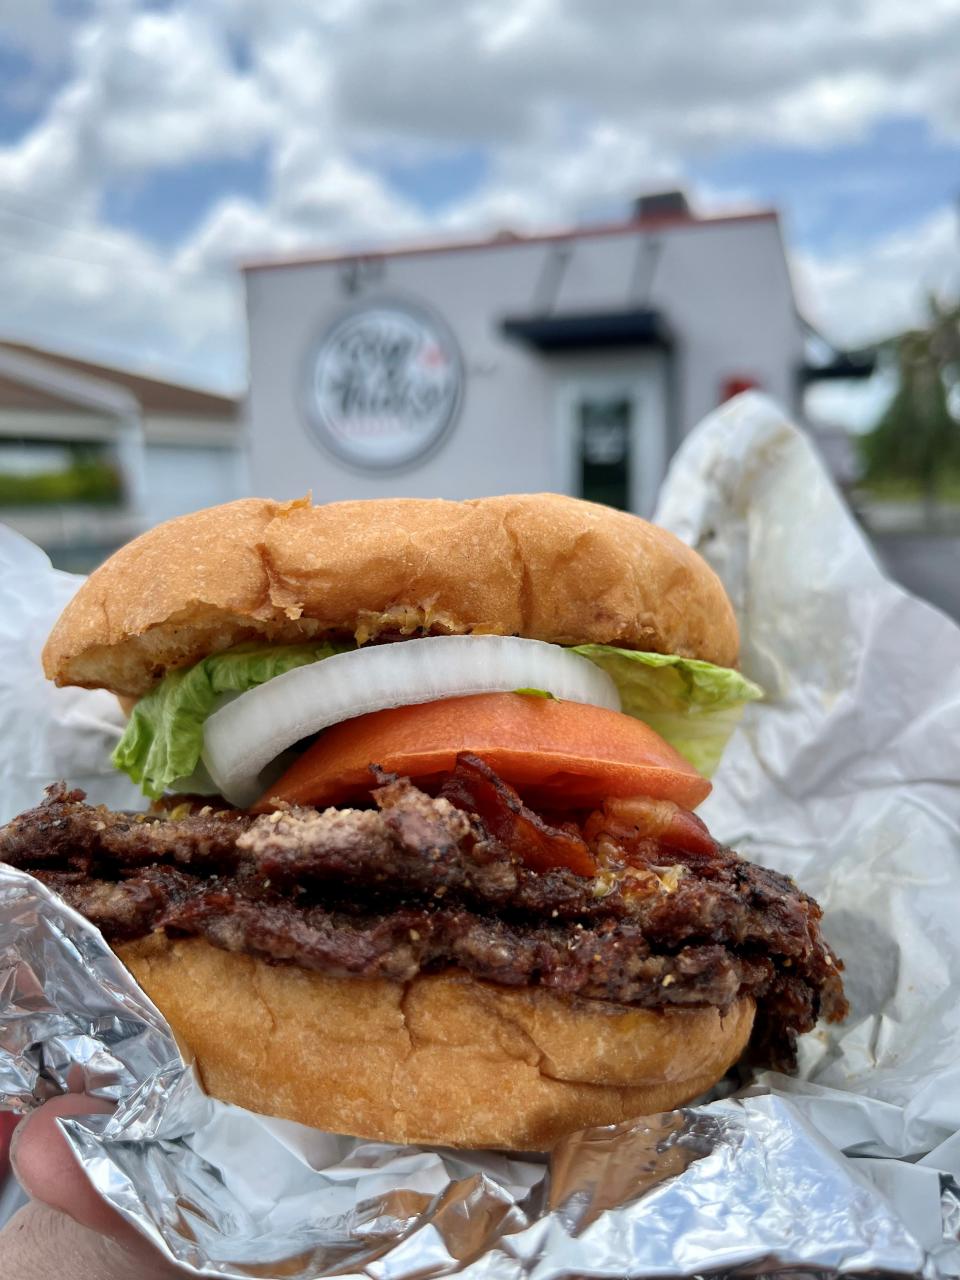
(47, 733)
(841, 778)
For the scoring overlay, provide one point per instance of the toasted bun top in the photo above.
(543, 566)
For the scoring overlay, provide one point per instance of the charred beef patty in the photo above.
(422, 884)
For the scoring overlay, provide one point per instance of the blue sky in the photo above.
(434, 182)
(144, 147)
(21, 103)
(166, 206)
(831, 197)
(835, 197)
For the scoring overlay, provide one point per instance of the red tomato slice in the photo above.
(558, 755)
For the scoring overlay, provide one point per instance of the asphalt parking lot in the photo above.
(927, 564)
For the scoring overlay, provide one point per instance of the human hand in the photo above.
(67, 1232)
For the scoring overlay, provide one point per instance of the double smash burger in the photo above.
(422, 863)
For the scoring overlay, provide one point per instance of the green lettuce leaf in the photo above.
(538, 693)
(693, 704)
(164, 736)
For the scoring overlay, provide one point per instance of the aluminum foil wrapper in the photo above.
(846, 778)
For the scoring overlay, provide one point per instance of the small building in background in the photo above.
(573, 361)
(91, 454)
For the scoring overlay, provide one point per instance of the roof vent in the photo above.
(661, 204)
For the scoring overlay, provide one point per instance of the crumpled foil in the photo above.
(846, 777)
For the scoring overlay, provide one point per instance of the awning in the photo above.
(844, 365)
(589, 331)
(824, 361)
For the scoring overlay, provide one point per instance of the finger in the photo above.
(48, 1170)
(38, 1243)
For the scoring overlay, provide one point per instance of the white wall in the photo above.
(499, 443)
(722, 287)
(179, 479)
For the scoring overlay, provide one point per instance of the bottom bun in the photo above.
(442, 1059)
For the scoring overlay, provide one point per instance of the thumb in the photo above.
(73, 1231)
(47, 1169)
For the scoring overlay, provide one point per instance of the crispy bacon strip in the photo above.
(633, 823)
(475, 788)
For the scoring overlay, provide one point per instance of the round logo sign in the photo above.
(384, 385)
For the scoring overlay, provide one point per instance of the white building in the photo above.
(572, 361)
(91, 454)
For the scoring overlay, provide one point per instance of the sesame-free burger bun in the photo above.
(544, 566)
(442, 1059)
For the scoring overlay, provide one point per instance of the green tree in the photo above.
(918, 436)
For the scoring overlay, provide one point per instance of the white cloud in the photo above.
(235, 228)
(162, 91)
(551, 182)
(693, 74)
(578, 104)
(116, 296)
(854, 406)
(45, 171)
(867, 295)
(329, 196)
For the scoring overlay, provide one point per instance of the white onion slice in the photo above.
(244, 736)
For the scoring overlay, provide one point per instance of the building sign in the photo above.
(384, 386)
